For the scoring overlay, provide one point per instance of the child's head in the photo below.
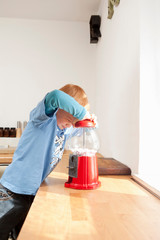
(64, 119)
(77, 93)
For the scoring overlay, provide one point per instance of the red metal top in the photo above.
(85, 123)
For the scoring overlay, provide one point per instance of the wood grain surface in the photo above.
(119, 210)
(110, 166)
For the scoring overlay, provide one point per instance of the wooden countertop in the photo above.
(119, 210)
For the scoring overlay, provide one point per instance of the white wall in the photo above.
(150, 93)
(117, 89)
(39, 56)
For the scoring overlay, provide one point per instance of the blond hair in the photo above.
(77, 93)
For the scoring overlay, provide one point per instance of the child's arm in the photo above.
(59, 99)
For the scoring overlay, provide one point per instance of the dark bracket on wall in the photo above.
(111, 4)
(95, 23)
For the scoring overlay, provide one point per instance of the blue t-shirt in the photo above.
(41, 145)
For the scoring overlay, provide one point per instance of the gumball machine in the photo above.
(83, 168)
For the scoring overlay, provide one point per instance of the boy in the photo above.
(39, 150)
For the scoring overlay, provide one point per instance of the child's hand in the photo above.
(92, 117)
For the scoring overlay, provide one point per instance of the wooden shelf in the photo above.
(6, 155)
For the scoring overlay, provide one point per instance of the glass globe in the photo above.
(86, 143)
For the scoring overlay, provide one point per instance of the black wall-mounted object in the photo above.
(95, 23)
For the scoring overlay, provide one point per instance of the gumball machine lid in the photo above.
(85, 123)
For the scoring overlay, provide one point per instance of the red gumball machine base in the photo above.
(83, 172)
